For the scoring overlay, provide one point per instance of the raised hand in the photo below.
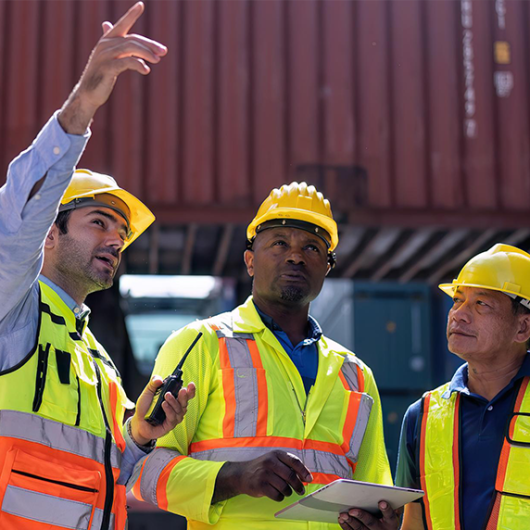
(115, 52)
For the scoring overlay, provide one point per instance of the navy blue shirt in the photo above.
(483, 425)
(305, 354)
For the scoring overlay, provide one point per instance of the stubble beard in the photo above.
(292, 294)
(74, 264)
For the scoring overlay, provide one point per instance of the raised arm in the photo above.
(37, 178)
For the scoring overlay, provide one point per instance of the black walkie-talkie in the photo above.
(172, 383)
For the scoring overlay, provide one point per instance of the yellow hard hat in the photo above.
(501, 268)
(88, 188)
(296, 205)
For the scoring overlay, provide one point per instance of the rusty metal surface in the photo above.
(406, 113)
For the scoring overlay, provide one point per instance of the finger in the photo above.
(129, 63)
(154, 384)
(174, 412)
(192, 390)
(271, 492)
(296, 464)
(389, 515)
(156, 47)
(119, 48)
(106, 26)
(127, 21)
(280, 485)
(366, 518)
(346, 522)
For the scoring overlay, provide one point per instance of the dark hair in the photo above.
(518, 308)
(62, 221)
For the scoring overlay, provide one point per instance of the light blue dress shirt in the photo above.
(24, 225)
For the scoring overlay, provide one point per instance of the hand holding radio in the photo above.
(170, 407)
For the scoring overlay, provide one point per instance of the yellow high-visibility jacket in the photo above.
(251, 400)
(440, 464)
(61, 446)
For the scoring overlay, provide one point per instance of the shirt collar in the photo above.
(459, 381)
(81, 312)
(313, 333)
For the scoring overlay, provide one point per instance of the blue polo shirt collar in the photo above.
(313, 334)
(459, 381)
(81, 312)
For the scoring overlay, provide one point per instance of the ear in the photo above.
(248, 256)
(51, 238)
(523, 330)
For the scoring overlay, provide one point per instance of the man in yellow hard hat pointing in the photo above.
(281, 410)
(64, 455)
(467, 443)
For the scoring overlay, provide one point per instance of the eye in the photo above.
(312, 247)
(482, 303)
(279, 242)
(99, 222)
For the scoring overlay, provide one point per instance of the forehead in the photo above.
(109, 214)
(296, 234)
(479, 292)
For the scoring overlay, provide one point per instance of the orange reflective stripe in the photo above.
(263, 396)
(360, 378)
(118, 436)
(456, 460)
(323, 478)
(425, 411)
(136, 491)
(228, 390)
(505, 452)
(161, 487)
(327, 447)
(344, 382)
(494, 517)
(351, 420)
(268, 441)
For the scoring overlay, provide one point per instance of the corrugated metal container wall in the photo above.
(387, 105)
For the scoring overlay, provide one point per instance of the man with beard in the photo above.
(64, 455)
(467, 443)
(281, 408)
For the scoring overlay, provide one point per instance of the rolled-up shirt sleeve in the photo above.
(24, 222)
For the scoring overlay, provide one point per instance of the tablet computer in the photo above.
(325, 504)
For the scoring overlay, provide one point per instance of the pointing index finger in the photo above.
(126, 22)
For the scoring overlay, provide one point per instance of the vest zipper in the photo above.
(40, 382)
(78, 417)
(302, 410)
(109, 477)
(59, 482)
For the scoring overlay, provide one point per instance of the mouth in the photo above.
(293, 277)
(108, 261)
(460, 333)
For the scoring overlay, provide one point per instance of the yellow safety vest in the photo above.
(251, 400)
(61, 412)
(439, 457)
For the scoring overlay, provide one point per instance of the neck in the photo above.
(291, 318)
(487, 379)
(69, 287)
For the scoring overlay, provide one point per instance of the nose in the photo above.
(296, 256)
(114, 239)
(461, 313)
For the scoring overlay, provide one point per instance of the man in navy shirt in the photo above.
(467, 443)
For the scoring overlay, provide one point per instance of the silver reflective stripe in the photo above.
(153, 467)
(56, 435)
(98, 519)
(245, 380)
(349, 371)
(316, 461)
(224, 321)
(47, 508)
(363, 415)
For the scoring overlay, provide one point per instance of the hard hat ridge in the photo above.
(300, 206)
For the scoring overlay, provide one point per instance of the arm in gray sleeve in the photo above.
(24, 221)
